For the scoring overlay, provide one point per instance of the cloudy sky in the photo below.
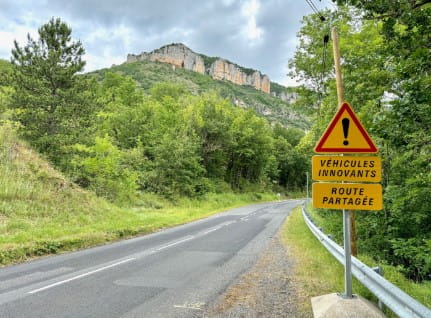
(259, 34)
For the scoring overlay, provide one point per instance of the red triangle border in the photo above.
(345, 107)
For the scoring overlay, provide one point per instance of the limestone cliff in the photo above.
(175, 54)
(225, 70)
(180, 55)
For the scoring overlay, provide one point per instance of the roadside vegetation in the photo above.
(319, 273)
(42, 212)
(386, 63)
(143, 137)
(147, 73)
(86, 160)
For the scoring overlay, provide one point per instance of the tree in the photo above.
(405, 128)
(157, 142)
(211, 117)
(54, 104)
(291, 164)
(103, 168)
(386, 62)
(251, 156)
(5, 89)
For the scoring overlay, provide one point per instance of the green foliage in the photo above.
(211, 118)
(278, 89)
(413, 256)
(5, 72)
(179, 144)
(316, 270)
(175, 168)
(386, 79)
(163, 149)
(103, 168)
(173, 138)
(5, 89)
(54, 104)
(312, 258)
(251, 155)
(147, 73)
(246, 70)
(208, 60)
(42, 212)
(162, 90)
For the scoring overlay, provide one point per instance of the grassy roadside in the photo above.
(23, 237)
(319, 273)
(41, 212)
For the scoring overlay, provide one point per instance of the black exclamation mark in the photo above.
(345, 122)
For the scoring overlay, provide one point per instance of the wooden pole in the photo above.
(340, 94)
(338, 78)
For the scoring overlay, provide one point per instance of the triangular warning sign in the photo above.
(345, 134)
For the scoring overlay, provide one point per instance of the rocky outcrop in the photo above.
(224, 70)
(175, 54)
(179, 55)
(288, 97)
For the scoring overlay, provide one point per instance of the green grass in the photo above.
(316, 270)
(41, 212)
(319, 273)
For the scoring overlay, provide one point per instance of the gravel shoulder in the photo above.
(269, 289)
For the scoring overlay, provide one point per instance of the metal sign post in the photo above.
(347, 255)
(346, 135)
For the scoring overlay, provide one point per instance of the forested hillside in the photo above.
(147, 73)
(86, 161)
(162, 132)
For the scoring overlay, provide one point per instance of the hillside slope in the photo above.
(42, 212)
(147, 73)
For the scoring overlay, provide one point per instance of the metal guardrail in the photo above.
(394, 298)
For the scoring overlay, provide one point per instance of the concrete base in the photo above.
(335, 306)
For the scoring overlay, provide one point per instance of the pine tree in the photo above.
(53, 103)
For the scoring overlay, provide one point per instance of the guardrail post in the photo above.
(379, 271)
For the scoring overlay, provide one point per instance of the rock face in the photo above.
(179, 55)
(224, 70)
(287, 97)
(175, 54)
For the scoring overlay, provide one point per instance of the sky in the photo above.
(258, 34)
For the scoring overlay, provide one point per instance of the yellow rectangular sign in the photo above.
(347, 168)
(349, 196)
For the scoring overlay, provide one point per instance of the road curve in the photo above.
(171, 273)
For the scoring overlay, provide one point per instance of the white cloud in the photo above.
(228, 3)
(101, 53)
(249, 10)
(103, 60)
(253, 33)
(14, 32)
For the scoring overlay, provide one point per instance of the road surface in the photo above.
(171, 273)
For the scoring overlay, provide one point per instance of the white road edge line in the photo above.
(212, 230)
(174, 243)
(123, 261)
(80, 276)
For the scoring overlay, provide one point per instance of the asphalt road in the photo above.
(171, 273)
